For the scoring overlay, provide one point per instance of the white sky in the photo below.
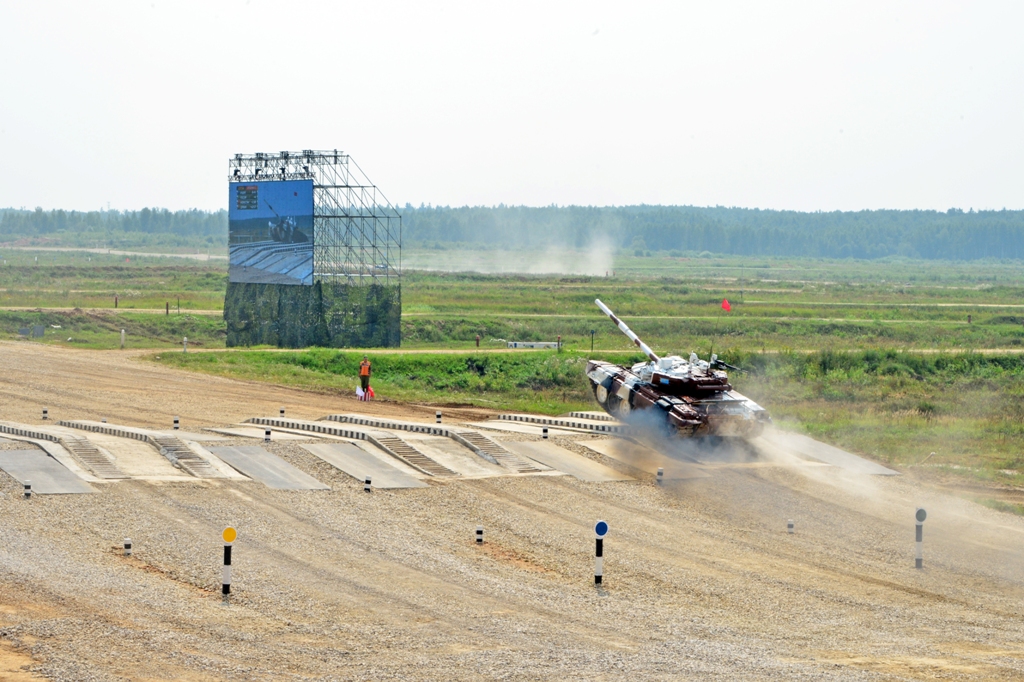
(816, 105)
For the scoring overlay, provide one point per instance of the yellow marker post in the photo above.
(229, 536)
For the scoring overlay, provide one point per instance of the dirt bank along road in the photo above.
(702, 580)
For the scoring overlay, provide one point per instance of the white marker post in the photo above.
(661, 475)
(28, 489)
(176, 422)
(789, 526)
(544, 433)
(437, 416)
(122, 338)
(479, 535)
(266, 436)
(600, 530)
(46, 414)
(127, 546)
(920, 515)
(184, 345)
(229, 536)
(366, 485)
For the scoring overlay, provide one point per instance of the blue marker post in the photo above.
(600, 530)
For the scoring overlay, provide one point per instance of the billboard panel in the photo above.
(270, 232)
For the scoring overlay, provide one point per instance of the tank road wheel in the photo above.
(601, 393)
(617, 406)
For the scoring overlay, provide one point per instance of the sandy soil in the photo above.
(702, 580)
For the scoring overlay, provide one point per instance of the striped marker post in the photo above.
(661, 475)
(127, 546)
(282, 411)
(229, 536)
(176, 422)
(789, 526)
(437, 416)
(366, 485)
(46, 414)
(544, 433)
(266, 435)
(479, 535)
(28, 489)
(920, 515)
(600, 530)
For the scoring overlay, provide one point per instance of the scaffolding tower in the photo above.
(357, 233)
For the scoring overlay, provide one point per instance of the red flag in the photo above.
(725, 305)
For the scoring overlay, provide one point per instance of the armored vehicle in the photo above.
(692, 397)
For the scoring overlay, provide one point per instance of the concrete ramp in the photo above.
(588, 424)
(567, 462)
(359, 464)
(93, 459)
(47, 476)
(474, 440)
(645, 459)
(255, 432)
(177, 451)
(822, 452)
(593, 416)
(388, 442)
(517, 427)
(267, 468)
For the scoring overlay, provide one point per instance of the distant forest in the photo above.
(951, 235)
(148, 227)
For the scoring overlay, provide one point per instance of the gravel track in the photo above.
(702, 581)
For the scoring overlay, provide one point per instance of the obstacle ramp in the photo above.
(46, 474)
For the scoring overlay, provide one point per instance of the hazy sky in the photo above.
(815, 105)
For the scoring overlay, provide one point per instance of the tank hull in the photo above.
(698, 409)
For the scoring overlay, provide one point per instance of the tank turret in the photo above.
(693, 396)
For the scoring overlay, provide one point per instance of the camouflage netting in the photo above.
(330, 316)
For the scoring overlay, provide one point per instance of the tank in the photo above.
(692, 397)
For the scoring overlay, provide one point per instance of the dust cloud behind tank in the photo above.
(691, 397)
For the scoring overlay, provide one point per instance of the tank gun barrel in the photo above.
(628, 332)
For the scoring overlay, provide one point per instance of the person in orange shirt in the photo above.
(364, 373)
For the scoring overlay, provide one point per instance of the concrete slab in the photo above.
(645, 458)
(137, 458)
(593, 416)
(456, 457)
(359, 464)
(258, 432)
(45, 473)
(520, 427)
(191, 435)
(267, 468)
(822, 452)
(566, 461)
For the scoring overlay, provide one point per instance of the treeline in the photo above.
(953, 234)
(147, 225)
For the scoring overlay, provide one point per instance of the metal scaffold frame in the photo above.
(357, 233)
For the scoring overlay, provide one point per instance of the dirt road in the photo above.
(702, 580)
